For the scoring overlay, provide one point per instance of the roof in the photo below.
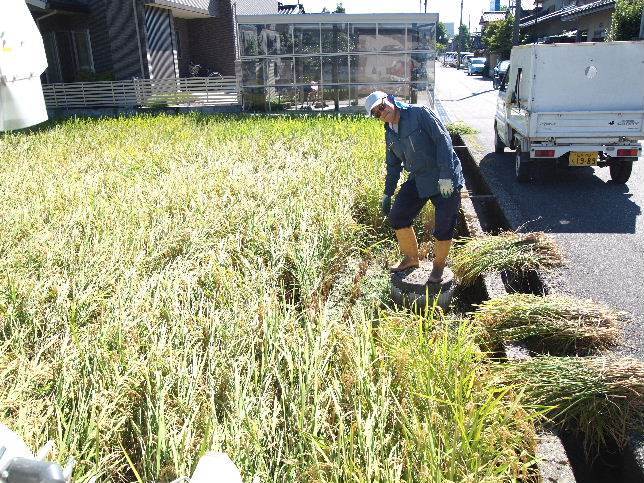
(290, 9)
(200, 8)
(339, 18)
(528, 21)
(60, 5)
(256, 7)
(488, 17)
(590, 8)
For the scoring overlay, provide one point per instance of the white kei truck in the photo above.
(577, 104)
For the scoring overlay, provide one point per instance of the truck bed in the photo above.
(597, 124)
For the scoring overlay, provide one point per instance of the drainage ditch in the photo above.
(610, 463)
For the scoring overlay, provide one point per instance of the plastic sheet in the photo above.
(22, 61)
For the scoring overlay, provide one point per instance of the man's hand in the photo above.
(446, 187)
(385, 206)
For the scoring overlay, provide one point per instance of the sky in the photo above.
(448, 10)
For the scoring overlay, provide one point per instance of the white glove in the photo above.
(446, 187)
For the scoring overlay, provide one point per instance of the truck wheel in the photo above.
(523, 167)
(499, 147)
(620, 170)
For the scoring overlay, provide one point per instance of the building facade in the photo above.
(568, 21)
(90, 40)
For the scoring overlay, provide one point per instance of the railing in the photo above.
(190, 91)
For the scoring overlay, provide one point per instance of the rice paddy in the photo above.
(173, 285)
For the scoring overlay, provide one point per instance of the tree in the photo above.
(340, 8)
(463, 38)
(441, 33)
(497, 36)
(626, 20)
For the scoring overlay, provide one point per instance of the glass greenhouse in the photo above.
(333, 61)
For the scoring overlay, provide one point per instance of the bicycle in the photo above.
(197, 70)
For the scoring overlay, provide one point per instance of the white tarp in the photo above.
(22, 61)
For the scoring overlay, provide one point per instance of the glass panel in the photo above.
(335, 37)
(422, 94)
(283, 98)
(362, 37)
(253, 72)
(391, 68)
(360, 93)
(365, 68)
(391, 37)
(309, 96)
(278, 39)
(421, 36)
(307, 70)
(254, 98)
(337, 97)
(83, 51)
(307, 39)
(248, 39)
(421, 67)
(280, 71)
(335, 69)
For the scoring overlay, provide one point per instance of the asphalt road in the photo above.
(598, 225)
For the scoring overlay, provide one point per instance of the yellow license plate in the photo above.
(583, 159)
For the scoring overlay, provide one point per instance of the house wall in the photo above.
(98, 33)
(182, 30)
(545, 29)
(126, 25)
(596, 24)
(212, 41)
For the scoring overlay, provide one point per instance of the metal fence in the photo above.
(191, 91)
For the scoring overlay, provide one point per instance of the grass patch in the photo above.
(508, 251)
(554, 323)
(460, 128)
(176, 284)
(600, 397)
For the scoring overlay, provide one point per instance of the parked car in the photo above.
(465, 60)
(500, 72)
(476, 65)
(447, 56)
(549, 109)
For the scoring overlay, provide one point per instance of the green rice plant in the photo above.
(441, 379)
(556, 323)
(508, 251)
(460, 128)
(171, 285)
(600, 397)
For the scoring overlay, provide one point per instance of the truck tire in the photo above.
(522, 166)
(620, 170)
(499, 147)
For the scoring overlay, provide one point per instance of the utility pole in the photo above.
(460, 40)
(425, 6)
(517, 19)
(642, 26)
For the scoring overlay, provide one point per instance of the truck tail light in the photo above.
(627, 152)
(544, 153)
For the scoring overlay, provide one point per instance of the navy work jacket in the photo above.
(424, 148)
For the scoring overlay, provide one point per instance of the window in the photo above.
(83, 51)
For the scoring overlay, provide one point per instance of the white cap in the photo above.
(374, 98)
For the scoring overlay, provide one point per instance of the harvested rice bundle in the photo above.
(600, 397)
(508, 251)
(556, 323)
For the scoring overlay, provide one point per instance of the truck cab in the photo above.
(566, 102)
